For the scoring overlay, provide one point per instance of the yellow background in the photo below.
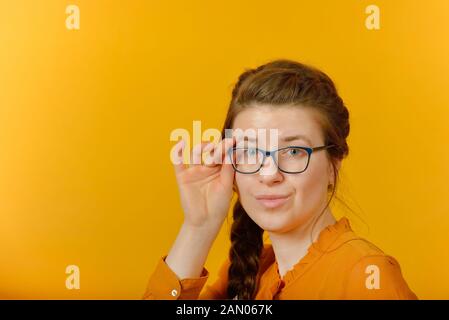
(85, 120)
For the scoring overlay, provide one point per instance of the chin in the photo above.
(277, 229)
(273, 221)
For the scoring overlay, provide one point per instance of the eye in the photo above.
(251, 151)
(293, 152)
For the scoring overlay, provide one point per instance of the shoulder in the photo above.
(351, 244)
(376, 277)
(368, 272)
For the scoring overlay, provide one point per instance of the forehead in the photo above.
(288, 120)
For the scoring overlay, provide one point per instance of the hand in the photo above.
(205, 189)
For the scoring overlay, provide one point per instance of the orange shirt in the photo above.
(338, 265)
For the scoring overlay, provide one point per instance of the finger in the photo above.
(178, 156)
(208, 157)
(196, 157)
(219, 152)
(228, 143)
(215, 154)
(227, 173)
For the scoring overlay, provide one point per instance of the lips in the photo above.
(272, 200)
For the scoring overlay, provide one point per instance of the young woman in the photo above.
(284, 192)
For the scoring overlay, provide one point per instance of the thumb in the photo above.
(227, 175)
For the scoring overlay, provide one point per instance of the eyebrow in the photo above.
(285, 139)
(296, 137)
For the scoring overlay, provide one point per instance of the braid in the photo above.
(246, 247)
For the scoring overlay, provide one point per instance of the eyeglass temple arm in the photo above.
(322, 147)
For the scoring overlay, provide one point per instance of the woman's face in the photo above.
(303, 195)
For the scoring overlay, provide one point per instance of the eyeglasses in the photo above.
(292, 159)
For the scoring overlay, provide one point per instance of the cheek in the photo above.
(311, 186)
(245, 185)
(243, 182)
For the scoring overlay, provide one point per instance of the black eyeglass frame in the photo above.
(272, 153)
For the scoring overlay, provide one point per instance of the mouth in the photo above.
(272, 201)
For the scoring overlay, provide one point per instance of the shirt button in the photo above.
(174, 292)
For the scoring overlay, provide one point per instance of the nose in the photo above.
(269, 172)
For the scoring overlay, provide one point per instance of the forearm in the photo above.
(189, 252)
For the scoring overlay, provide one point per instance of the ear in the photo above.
(331, 170)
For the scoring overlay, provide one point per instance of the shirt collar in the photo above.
(326, 238)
